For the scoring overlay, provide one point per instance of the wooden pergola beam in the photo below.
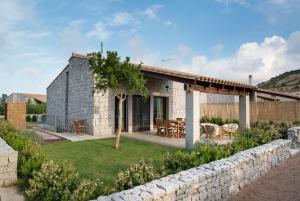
(217, 90)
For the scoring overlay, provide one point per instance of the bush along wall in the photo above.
(201, 154)
(217, 180)
(46, 180)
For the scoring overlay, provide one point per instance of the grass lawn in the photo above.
(98, 158)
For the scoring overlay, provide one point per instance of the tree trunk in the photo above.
(120, 121)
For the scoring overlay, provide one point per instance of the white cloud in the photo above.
(72, 37)
(274, 55)
(262, 60)
(151, 12)
(120, 18)
(100, 31)
(217, 49)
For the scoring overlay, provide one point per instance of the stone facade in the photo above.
(294, 136)
(8, 164)
(218, 180)
(80, 95)
(99, 108)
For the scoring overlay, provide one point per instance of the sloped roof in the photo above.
(189, 76)
(40, 97)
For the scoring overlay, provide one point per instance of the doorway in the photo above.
(140, 113)
(159, 108)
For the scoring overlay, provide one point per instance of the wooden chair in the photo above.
(230, 129)
(209, 130)
(171, 131)
(181, 129)
(160, 128)
(179, 119)
(221, 132)
(80, 126)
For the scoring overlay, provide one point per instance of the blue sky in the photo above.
(226, 39)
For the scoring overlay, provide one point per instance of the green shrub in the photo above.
(55, 182)
(28, 118)
(34, 118)
(181, 160)
(36, 108)
(29, 153)
(217, 120)
(137, 174)
(204, 119)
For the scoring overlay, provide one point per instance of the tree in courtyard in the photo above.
(122, 77)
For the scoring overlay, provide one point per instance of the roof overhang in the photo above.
(203, 83)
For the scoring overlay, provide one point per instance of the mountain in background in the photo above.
(288, 82)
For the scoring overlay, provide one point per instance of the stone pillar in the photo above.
(192, 118)
(253, 96)
(244, 107)
(298, 110)
(129, 113)
(151, 113)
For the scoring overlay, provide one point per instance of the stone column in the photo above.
(297, 110)
(253, 96)
(151, 113)
(244, 107)
(129, 113)
(192, 118)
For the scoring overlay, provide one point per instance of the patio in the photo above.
(174, 142)
(147, 136)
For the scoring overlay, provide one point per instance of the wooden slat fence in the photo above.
(276, 111)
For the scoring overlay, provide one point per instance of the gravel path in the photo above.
(282, 184)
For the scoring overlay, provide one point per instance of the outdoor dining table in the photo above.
(178, 123)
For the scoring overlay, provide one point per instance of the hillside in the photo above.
(285, 82)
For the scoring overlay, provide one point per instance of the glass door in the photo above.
(159, 108)
(141, 114)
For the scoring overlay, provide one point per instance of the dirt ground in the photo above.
(282, 183)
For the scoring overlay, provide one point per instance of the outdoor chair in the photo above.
(160, 128)
(171, 130)
(230, 129)
(181, 129)
(210, 131)
(80, 126)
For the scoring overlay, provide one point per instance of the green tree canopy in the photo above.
(122, 77)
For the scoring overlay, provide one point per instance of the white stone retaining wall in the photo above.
(294, 136)
(8, 164)
(218, 180)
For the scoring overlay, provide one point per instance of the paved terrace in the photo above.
(146, 136)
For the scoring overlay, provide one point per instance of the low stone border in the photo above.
(218, 180)
(294, 136)
(8, 164)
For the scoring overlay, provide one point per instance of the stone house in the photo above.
(173, 94)
(70, 96)
(26, 98)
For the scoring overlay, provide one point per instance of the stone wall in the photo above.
(294, 136)
(218, 180)
(177, 100)
(8, 164)
(80, 95)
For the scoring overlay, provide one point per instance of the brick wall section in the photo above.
(218, 180)
(15, 114)
(8, 164)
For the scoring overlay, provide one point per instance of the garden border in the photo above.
(8, 164)
(217, 180)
